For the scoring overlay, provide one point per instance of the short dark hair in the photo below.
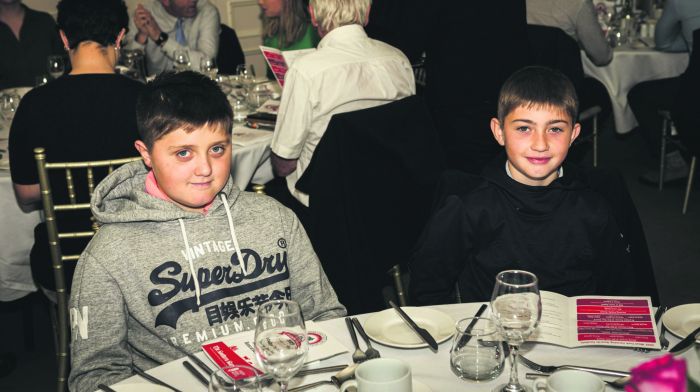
(537, 86)
(185, 100)
(92, 20)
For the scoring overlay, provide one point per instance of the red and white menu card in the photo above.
(596, 321)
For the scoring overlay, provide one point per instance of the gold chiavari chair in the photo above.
(50, 207)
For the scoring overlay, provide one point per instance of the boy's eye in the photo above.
(556, 130)
(218, 149)
(522, 129)
(183, 153)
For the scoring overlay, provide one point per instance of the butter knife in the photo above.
(421, 332)
(685, 343)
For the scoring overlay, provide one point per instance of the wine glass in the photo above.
(8, 105)
(56, 66)
(181, 60)
(280, 340)
(516, 309)
(208, 67)
(246, 75)
(235, 378)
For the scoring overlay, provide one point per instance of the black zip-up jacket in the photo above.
(573, 234)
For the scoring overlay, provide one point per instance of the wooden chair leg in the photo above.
(689, 184)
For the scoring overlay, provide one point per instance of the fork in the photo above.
(371, 352)
(662, 339)
(552, 369)
(359, 355)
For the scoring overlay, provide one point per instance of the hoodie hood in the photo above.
(536, 200)
(122, 197)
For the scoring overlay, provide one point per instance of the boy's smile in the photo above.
(537, 139)
(190, 168)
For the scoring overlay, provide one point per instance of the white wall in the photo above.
(242, 15)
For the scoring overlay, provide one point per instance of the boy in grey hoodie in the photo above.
(135, 298)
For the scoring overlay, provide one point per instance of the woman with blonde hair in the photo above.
(287, 25)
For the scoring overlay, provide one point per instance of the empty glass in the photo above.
(181, 60)
(56, 66)
(258, 95)
(235, 379)
(8, 105)
(208, 67)
(246, 75)
(240, 110)
(477, 350)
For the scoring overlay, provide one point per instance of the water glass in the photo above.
(56, 66)
(240, 110)
(477, 350)
(258, 95)
(246, 75)
(181, 60)
(208, 67)
(235, 379)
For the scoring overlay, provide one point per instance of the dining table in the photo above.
(632, 64)
(433, 368)
(250, 163)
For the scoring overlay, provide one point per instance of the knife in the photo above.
(685, 343)
(467, 336)
(190, 368)
(421, 332)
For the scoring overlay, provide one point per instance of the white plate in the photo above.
(388, 328)
(682, 320)
(420, 387)
(140, 387)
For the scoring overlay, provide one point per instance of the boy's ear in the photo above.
(143, 151)
(312, 14)
(64, 39)
(497, 131)
(575, 132)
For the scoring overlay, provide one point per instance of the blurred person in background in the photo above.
(88, 114)
(27, 38)
(162, 27)
(674, 33)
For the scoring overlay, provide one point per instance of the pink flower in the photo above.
(663, 374)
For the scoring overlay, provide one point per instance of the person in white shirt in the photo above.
(348, 72)
(161, 27)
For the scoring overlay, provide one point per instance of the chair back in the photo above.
(552, 47)
(370, 184)
(55, 236)
(230, 53)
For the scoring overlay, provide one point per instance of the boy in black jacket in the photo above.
(531, 211)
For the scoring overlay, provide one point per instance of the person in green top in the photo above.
(287, 25)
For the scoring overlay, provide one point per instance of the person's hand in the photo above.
(146, 25)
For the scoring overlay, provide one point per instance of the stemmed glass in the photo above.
(235, 379)
(208, 67)
(246, 75)
(280, 340)
(516, 309)
(8, 105)
(56, 66)
(181, 60)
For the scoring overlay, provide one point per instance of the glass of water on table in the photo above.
(477, 350)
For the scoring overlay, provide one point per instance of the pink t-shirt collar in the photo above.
(154, 190)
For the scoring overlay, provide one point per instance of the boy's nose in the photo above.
(539, 141)
(203, 167)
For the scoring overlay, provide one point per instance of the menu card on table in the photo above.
(596, 321)
(280, 61)
(239, 349)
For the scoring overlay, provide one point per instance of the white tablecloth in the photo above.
(628, 68)
(433, 369)
(250, 163)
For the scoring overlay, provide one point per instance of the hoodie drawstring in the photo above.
(233, 235)
(197, 290)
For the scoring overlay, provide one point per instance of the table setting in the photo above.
(631, 34)
(487, 348)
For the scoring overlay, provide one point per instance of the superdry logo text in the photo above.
(170, 279)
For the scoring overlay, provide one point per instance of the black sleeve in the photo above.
(614, 270)
(440, 255)
(23, 138)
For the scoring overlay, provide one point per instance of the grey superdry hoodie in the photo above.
(133, 297)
